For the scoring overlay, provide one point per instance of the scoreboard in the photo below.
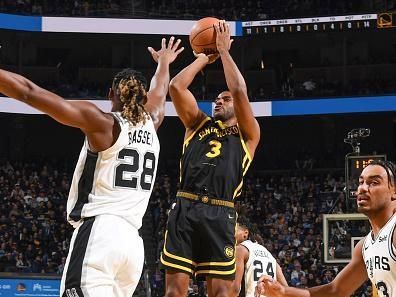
(354, 167)
(320, 24)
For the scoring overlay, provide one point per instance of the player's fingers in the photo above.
(151, 50)
(170, 44)
(220, 27)
(227, 27)
(265, 279)
(198, 54)
(259, 290)
(179, 50)
(216, 27)
(223, 26)
(163, 43)
(176, 45)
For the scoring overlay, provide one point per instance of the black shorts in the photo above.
(200, 240)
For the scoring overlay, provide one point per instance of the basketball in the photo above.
(203, 36)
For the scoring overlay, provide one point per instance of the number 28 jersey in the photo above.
(260, 262)
(118, 180)
(214, 161)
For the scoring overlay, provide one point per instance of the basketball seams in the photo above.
(192, 40)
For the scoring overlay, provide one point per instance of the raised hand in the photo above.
(269, 287)
(223, 37)
(208, 58)
(167, 52)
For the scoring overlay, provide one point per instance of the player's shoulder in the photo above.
(358, 249)
(247, 244)
(242, 250)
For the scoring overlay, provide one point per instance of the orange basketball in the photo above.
(203, 36)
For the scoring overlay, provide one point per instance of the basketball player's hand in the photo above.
(209, 59)
(269, 287)
(167, 53)
(223, 37)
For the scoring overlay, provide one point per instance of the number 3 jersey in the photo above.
(214, 161)
(118, 180)
(260, 262)
(380, 259)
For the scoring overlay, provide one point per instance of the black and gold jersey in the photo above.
(214, 161)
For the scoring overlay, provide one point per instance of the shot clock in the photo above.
(355, 165)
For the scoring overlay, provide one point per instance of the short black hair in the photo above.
(390, 169)
(244, 222)
(254, 233)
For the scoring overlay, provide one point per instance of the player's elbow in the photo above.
(235, 289)
(27, 90)
(176, 85)
(337, 290)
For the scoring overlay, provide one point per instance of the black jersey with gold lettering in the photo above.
(214, 161)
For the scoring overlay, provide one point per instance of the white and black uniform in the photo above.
(260, 262)
(380, 259)
(109, 195)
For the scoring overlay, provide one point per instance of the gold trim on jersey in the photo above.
(221, 125)
(168, 254)
(374, 290)
(185, 143)
(217, 263)
(244, 146)
(176, 266)
(205, 199)
(237, 191)
(187, 140)
(210, 271)
(247, 160)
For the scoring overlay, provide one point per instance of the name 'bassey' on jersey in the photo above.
(118, 180)
(210, 153)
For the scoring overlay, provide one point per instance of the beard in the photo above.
(223, 115)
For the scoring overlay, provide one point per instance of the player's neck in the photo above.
(379, 221)
(230, 122)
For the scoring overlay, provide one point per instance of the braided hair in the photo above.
(254, 234)
(130, 85)
(390, 169)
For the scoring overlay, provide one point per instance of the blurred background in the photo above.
(299, 172)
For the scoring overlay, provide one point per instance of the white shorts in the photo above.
(105, 259)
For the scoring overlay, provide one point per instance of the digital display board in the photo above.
(20, 287)
(355, 166)
(320, 24)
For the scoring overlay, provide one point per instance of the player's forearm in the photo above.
(160, 81)
(319, 291)
(185, 77)
(294, 292)
(15, 86)
(235, 81)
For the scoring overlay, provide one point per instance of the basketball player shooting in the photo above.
(105, 206)
(217, 152)
(374, 257)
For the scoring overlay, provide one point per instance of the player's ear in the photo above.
(394, 194)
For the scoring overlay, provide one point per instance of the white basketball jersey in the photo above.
(119, 180)
(260, 262)
(380, 259)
